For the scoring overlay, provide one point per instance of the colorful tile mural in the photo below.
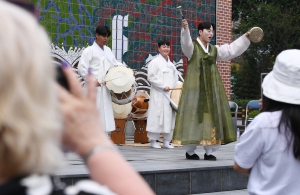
(136, 25)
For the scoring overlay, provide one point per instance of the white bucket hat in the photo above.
(282, 84)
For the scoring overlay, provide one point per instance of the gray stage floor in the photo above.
(149, 160)
(145, 159)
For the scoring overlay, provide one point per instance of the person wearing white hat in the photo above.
(99, 58)
(162, 76)
(269, 149)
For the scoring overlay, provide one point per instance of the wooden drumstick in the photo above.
(175, 88)
(108, 80)
(179, 8)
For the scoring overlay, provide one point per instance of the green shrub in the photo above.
(253, 113)
(241, 102)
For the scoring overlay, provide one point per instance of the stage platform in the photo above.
(169, 173)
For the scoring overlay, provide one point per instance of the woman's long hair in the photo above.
(289, 122)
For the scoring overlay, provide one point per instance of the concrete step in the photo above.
(234, 192)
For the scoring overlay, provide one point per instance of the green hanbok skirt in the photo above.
(203, 115)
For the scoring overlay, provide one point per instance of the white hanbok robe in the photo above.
(100, 61)
(161, 117)
(225, 52)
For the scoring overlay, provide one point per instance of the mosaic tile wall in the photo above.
(136, 25)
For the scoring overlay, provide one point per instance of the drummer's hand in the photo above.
(98, 84)
(247, 34)
(185, 24)
(82, 127)
(167, 88)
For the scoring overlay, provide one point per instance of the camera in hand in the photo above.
(60, 76)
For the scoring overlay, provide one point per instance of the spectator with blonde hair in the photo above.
(38, 117)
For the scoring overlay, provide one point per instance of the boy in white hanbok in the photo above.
(99, 58)
(162, 76)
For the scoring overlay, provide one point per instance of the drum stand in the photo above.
(140, 133)
(118, 135)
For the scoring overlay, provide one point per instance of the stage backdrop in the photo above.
(137, 25)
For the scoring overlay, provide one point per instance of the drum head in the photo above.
(256, 34)
(119, 79)
(121, 111)
(176, 95)
(139, 104)
(143, 115)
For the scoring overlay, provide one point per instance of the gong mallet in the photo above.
(179, 8)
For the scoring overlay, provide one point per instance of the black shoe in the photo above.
(210, 157)
(192, 157)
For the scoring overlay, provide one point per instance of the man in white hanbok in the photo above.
(98, 59)
(162, 76)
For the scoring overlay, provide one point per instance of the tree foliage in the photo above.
(280, 22)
